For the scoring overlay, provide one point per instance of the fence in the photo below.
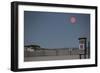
(53, 52)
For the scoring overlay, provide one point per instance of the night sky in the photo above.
(55, 30)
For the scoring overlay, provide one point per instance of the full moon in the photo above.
(73, 19)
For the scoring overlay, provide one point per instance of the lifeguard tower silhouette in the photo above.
(83, 46)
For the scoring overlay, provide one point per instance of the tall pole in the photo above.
(85, 49)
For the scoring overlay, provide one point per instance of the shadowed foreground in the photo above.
(46, 58)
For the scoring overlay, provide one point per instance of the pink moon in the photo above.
(73, 19)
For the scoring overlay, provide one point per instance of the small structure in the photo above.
(83, 46)
(31, 48)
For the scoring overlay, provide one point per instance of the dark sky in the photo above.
(55, 30)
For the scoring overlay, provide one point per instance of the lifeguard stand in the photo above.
(83, 46)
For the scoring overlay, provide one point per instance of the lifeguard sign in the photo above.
(82, 43)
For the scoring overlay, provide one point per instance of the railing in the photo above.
(54, 52)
